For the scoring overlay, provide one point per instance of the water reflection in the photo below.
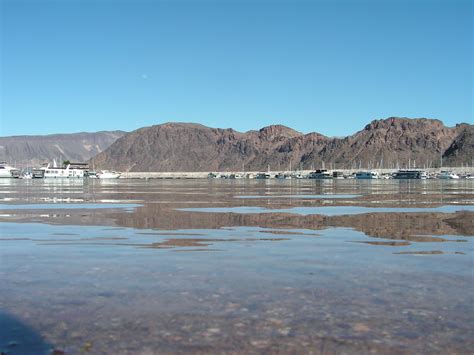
(157, 278)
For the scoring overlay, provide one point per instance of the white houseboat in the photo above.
(63, 172)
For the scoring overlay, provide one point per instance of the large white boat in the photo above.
(410, 174)
(445, 175)
(363, 175)
(320, 174)
(105, 174)
(8, 171)
(63, 172)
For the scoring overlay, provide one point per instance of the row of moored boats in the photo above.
(47, 171)
(322, 174)
(81, 170)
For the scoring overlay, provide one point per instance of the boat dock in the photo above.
(273, 174)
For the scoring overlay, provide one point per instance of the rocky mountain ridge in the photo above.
(391, 142)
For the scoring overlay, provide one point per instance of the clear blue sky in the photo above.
(326, 66)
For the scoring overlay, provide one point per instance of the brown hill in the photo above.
(462, 147)
(393, 142)
(34, 150)
(191, 147)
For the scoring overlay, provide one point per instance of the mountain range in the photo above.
(391, 142)
(34, 150)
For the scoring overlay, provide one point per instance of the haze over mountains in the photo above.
(34, 150)
(172, 147)
(390, 142)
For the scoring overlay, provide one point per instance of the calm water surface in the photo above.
(177, 266)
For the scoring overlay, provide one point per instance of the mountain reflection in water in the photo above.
(153, 277)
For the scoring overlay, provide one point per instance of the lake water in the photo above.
(211, 266)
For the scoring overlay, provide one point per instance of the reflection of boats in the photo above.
(64, 172)
(320, 174)
(105, 174)
(8, 171)
(410, 174)
(445, 175)
(367, 175)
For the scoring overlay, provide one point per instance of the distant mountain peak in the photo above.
(404, 123)
(279, 130)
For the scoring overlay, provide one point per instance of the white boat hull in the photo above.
(108, 175)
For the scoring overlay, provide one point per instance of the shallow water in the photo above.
(204, 266)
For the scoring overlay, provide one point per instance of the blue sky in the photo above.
(325, 66)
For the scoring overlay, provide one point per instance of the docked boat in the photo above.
(320, 174)
(8, 171)
(298, 175)
(282, 176)
(410, 174)
(26, 175)
(263, 176)
(105, 174)
(448, 175)
(37, 173)
(236, 176)
(60, 172)
(367, 175)
(337, 175)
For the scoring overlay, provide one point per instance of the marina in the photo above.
(81, 170)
